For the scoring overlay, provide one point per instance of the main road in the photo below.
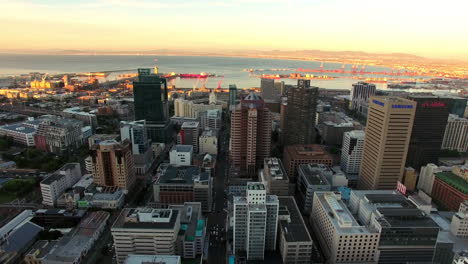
(216, 228)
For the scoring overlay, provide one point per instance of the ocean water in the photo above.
(230, 68)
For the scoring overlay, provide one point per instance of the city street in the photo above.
(217, 219)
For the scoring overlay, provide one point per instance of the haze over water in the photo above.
(229, 67)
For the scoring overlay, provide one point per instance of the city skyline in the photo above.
(141, 25)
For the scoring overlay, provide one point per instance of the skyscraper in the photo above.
(113, 164)
(151, 104)
(267, 87)
(360, 94)
(300, 116)
(250, 134)
(188, 135)
(429, 124)
(388, 132)
(232, 95)
(136, 133)
(255, 222)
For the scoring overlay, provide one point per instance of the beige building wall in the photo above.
(388, 131)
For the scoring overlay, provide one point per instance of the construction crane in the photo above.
(219, 83)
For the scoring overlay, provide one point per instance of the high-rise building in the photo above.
(280, 88)
(388, 132)
(456, 134)
(211, 119)
(188, 135)
(232, 96)
(189, 109)
(410, 176)
(299, 125)
(151, 104)
(430, 120)
(450, 188)
(351, 153)
(135, 132)
(113, 164)
(267, 87)
(255, 222)
(360, 94)
(304, 154)
(56, 183)
(250, 134)
(341, 237)
(208, 142)
(59, 135)
(459, 225)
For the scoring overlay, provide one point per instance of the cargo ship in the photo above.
(194, 75)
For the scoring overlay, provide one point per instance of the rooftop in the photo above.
(182, 148)
(192, 223)
(42, 248)
(453, 180)
(190, 125)
(294, 230)
(255, 186)
(314, 151)
(152, 259)
(20, 237)
(340, 217)
(312, 175)
(404, 217)
(146, 218)
(20, 128)
(275, 168)
(182, 175)
(209, 133)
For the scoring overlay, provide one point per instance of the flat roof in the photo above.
(52, 178)
(255, 186)
(313, 177)
(121, 222)
(191, 124)
(19, 128)
(182, 175)
(295, 230)
(152, 259)
(182, 148)
(405, 217)
(453, 180)
(276, 169)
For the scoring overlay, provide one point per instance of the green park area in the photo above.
(15, 189)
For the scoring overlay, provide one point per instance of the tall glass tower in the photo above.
(150, 98)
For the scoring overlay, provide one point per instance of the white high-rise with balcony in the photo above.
(255, 222)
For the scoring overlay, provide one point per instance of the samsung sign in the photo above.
(378, 102)
(401, 106)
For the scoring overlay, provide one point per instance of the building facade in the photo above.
(250, 144)
(430, 120)
(58, 135)
(113, 164)
(456, 134)
(274, 177)
(188, 135)
(177, 185)
(295, 243)
(136, 133)
(255, 222)
(449, 190)
(151, 104)
(360, 94)
(388, 132)
(181, 155)
(341, 237)
(309, 181)
(296, 155)
(208, 142)
(145, 231)
(55, 184)
(351, 152)
(300, 118)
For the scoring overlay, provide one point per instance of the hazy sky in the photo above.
(423, 27)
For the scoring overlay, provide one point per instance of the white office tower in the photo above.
(255, 222)
(351, 154)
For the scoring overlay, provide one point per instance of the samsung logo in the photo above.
(401, 106)
(378, 102)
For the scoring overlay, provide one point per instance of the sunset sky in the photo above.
(423, 27)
